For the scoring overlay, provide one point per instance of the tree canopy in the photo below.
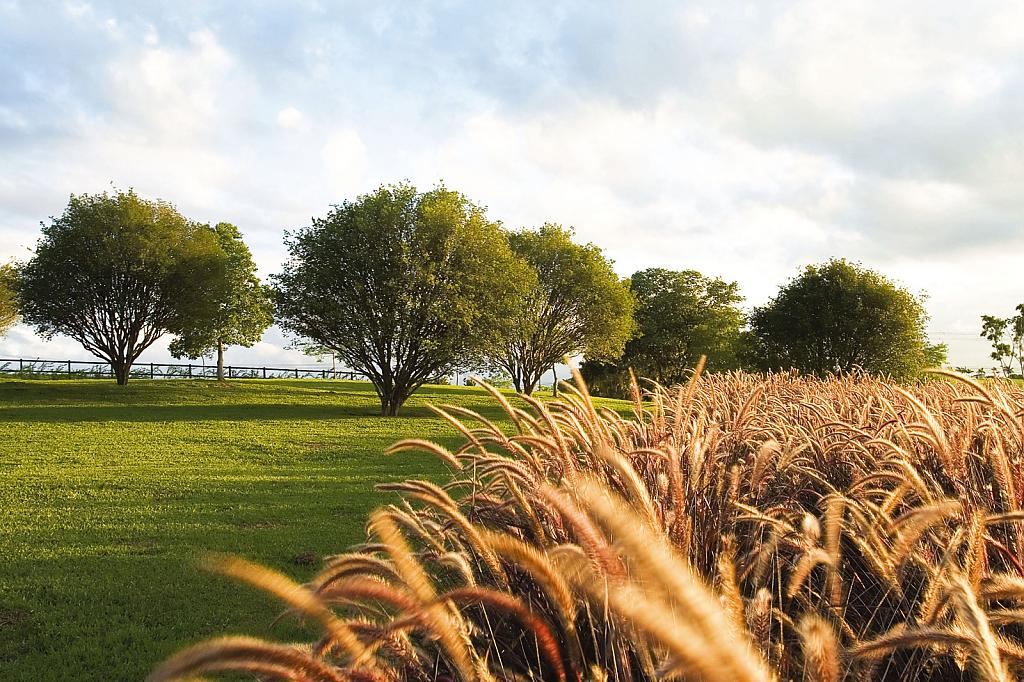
(839, 316)
(240, 309)
(680, 316)
(403, 286)
(115, 272)
(8, 298)
(574, 304)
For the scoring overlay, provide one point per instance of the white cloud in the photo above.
(740, 139)
(175, 91)
(291, 118)
(654, 189)
(77, 9)
(344, 162)
(9, 118)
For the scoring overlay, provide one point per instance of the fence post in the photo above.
(296, 372)
(229, 371)
(190, 371)
(151, 370)
(21, 365)
(264, 372)
(69, 368)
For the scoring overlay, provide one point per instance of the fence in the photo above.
(162, 370)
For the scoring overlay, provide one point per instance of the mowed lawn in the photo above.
(109, 494)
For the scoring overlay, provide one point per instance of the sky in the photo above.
(741, 139)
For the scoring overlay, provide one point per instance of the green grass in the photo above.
(109, 494)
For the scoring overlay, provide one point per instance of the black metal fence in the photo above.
(76, 369)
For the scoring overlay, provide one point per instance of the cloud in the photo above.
(174, 91)
(291, 118)
(741, 139)
(78, 9)
(344, 159)
(652, 189)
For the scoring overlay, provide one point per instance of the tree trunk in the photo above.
(220, 360)
(517, 381)
(530, 381)
(392, 401)
(554, 382)
(525, 380)
(122, 370)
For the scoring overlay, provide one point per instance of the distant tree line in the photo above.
(408, 286)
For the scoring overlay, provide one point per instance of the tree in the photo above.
(1007, 337)
(8, 298)
(403, 286)
(839, 316)
(575, 304)
(241, 307)
(681, 316)
(115, 273)
(606, 379)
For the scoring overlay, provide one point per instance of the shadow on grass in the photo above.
(92, 389)
(64, 414)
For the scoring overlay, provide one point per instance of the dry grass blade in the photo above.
(904, 638)
(447, 627)
(987, 663)
(248, 655)
(820, 649)
(296, 596)
(685, 590)
(851, 529)
(427, 446)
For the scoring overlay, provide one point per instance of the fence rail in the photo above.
(163, 370)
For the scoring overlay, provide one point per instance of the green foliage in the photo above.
(8, 298)
(575, 304)
(935, 354)
(1006, 334)
(402, 285)
(241, 309)
(606, 379)
(839, 316)
(680, 316)
(117, 272)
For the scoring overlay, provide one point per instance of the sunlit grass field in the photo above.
(109, 494)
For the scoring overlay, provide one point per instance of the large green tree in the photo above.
(839, 316)
(403, 286)
(681, 316)
(241, 307)
(116, 272)
(8, 297)
(575, 304)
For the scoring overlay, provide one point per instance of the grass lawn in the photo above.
(108, 495)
